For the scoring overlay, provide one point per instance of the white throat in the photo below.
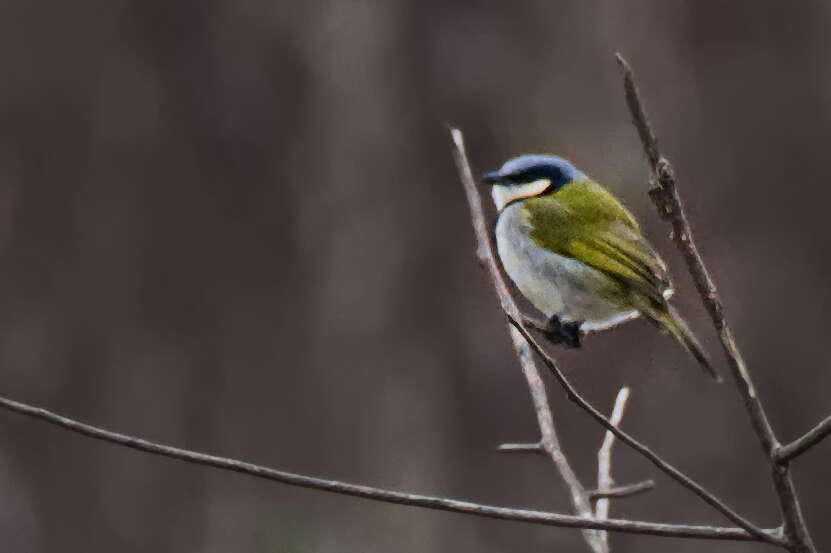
(503, 195)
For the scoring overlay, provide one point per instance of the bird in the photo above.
(578, 254)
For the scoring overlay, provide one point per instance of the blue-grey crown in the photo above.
(529, 168)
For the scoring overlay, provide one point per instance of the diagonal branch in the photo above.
(665, 196)
(801, 445)
(486, 258)
(378, 494)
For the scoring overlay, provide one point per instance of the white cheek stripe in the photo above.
(503, 195)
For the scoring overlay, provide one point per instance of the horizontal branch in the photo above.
(806, 442)
(377, 494)
(622, 491)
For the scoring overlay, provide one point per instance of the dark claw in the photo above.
(575, 335)
(567, 334)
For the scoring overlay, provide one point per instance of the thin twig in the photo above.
(619, 492)
(520, 448)
(376, 494)
(668, 202)
(604, 454)
(486, 258)
(604, 461)
(799, 446)
(550, 442)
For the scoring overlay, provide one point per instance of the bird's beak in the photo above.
(491, 178)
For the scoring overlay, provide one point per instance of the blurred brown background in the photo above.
(235, 226)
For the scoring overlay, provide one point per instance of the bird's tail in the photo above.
(669, 319)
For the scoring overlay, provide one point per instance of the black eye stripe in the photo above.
(556, 175)
(532, 174)
(530, 168)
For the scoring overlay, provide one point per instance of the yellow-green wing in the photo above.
(629, 258)
(591, 203)
(585, 222)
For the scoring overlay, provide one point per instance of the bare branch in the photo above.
(377, 494)
(799, 446)
(668, 202)
(619, 492)
(604, 461)
(550, 442)
(486, 258)
(520, 448)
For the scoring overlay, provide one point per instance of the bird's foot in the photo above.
(567, 334)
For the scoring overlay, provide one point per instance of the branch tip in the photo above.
(622, 62)
(619, 492)
(520, 448)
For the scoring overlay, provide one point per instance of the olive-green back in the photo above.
(582, 220)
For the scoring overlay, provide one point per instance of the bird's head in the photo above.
(528, 176)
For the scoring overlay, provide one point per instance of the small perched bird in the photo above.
(577, 253)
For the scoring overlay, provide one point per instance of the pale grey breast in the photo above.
(554, 284)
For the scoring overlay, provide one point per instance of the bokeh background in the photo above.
(235, 226)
